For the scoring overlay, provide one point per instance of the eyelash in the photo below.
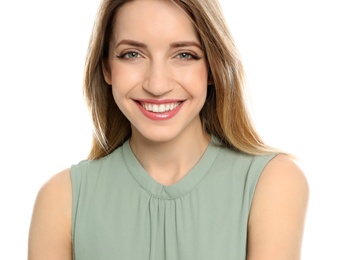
(137, 55)
(192, 56)
(123, 55)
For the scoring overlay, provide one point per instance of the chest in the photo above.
(133, 224)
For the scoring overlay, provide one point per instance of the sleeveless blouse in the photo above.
(120, 212)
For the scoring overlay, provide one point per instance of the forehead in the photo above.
(145, 19)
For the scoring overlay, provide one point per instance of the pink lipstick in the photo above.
(159, 109)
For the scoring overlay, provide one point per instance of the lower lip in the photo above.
(159, 116)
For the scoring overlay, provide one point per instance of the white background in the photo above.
(290, 52)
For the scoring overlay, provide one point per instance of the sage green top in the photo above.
(121, 213)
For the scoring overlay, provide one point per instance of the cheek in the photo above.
(125, 78)
(195, 79)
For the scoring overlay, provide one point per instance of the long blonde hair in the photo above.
(224, 114)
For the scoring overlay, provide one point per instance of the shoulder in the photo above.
(58, 181)
(58, 188)
(114, 158)
(278, 211)
(282, 174)
(50, 230)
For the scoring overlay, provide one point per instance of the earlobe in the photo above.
(106, 71)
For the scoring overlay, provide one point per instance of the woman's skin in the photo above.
(159, 63)
(156, 63)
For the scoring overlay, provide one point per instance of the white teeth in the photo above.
(155, 108)
(149, 107)
(160, 108)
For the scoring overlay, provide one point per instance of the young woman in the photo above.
(176, 169)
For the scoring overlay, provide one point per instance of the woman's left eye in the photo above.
(187, 56)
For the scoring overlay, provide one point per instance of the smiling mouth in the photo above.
(160, 108)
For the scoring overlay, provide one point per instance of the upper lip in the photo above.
(158, 101)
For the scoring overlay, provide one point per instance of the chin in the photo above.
(156, 136)
(159, 137)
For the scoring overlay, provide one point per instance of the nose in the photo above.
(158, 79)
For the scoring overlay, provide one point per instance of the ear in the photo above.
(106, 71)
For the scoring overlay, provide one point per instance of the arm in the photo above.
(278, 212)
(50, 231)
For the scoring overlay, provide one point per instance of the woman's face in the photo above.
(157, 70)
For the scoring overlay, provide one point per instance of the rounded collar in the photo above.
(178, 189)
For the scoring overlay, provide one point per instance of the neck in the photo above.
(168, 162)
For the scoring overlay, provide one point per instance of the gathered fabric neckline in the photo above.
(181, 187)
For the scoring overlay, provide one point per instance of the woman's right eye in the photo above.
(129, 55)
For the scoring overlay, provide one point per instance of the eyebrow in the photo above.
(132, 43)
(172, 45)
(185, 44)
